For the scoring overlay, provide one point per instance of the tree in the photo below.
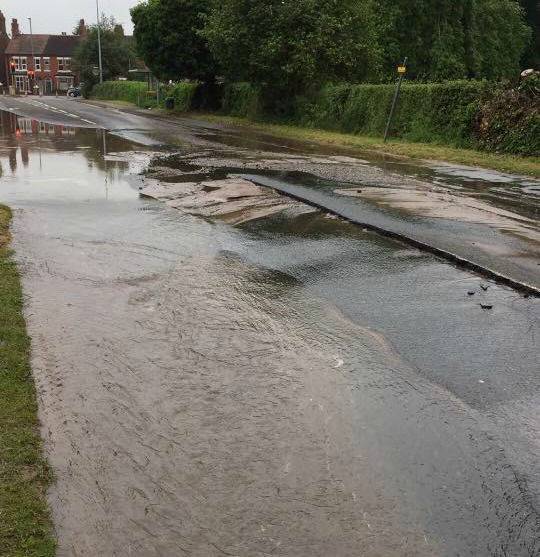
(453, 39)
(167, 37)
(116, 52)
(293, 43)
(532, 13)
(500, 37)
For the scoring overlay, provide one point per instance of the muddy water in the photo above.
(208, 390)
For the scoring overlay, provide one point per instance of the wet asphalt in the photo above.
(293, 386)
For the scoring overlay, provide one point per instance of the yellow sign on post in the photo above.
(402, 69)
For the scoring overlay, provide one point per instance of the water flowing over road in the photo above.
(292, 386)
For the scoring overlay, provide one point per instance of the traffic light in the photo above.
(30, 74)
(12, 65)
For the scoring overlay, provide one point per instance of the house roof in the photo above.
(62, 45)
(44, 45)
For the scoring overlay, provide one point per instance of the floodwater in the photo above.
(292, 386)
(493, 236)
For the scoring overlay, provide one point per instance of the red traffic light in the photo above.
(30, 74)
(12, 65)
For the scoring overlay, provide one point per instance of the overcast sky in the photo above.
(56, 16)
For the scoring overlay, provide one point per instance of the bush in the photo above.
(129, 91)
(183, 94)
(242, 100)
(510, 122)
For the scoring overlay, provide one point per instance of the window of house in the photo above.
(20, 82)
(21, 62)
(47, 64)
(25, 125)
(64, 64)
(37, 64)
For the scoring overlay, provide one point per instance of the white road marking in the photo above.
(44, 106)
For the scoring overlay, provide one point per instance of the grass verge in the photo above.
(25, 527)
(425, 151)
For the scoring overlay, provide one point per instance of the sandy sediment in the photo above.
(440, 203)
(233, 200)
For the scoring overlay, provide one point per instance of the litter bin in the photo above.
(169, 103)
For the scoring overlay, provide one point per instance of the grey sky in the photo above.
(55, 16)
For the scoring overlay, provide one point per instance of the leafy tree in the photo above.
(452, 39)
(115, 50)
(532, 13)
(167, 37)
(293, 43)
(500, 37)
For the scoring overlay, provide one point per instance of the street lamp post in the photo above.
(32, 48)
(99, 43)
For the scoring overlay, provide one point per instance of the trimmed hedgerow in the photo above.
(432, 112)
(129, 91)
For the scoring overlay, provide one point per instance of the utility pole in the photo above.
(32, 49)
(401, 70)
(99, 43)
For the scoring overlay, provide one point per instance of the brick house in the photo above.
(50, 69)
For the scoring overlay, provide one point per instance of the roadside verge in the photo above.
(25, 526)
(529, 166)
(398, 148)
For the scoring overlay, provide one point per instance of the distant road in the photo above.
(70, 112)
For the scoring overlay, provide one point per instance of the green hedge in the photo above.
(433, 112)
(183, 94)
(129, 91)
(242, 100)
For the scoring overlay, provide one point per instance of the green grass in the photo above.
(25, 527)
(425, 151)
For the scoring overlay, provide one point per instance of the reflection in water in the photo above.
(22, 135)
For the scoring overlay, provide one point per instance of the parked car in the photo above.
(74, 92)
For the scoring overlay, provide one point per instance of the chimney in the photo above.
(2, 24)
(82, 29)
(15, 31)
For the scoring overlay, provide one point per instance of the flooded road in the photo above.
(291, 386)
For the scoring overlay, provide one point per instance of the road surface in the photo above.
(293, 386)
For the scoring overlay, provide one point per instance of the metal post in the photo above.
(99, 43)
(394, 102)
(32, 49)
